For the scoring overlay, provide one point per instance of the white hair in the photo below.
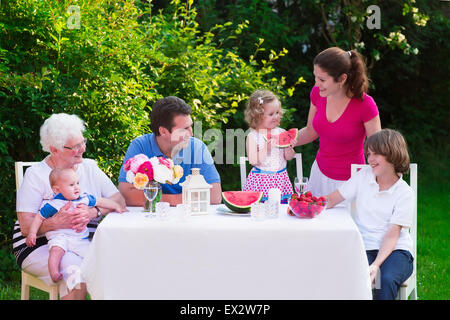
(59, 128)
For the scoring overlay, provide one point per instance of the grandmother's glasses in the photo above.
(77, 147)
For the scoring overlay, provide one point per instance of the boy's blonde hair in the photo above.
(255, 106)
(57, 173)
(392, 145)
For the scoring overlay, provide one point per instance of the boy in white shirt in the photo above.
(384, 210)
(65, 184)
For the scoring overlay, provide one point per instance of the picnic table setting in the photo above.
(240, 249)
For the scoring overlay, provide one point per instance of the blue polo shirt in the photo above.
(195, 155)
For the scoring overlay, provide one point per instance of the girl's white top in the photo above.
(275, 160)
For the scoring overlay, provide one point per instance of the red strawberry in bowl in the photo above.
(306, 205)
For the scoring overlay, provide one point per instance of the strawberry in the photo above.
(308, 194)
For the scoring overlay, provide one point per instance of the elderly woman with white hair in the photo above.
(61, 136)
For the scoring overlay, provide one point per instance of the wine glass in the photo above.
(301, 186)
(150, 192)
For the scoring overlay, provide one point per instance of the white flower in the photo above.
(161, 173)
(130, 176)
(415, 51)
(360, 45)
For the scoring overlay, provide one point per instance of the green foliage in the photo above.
(109, 71)
(401, 56)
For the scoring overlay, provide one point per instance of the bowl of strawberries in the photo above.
(306, 205)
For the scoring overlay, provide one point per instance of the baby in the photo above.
(65, 184)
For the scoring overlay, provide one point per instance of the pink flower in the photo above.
(127, 165)
(134, 163)
(165, 162)
(147, 169)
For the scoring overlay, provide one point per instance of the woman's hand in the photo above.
(62, 220)
(118, 208)
(80, 217)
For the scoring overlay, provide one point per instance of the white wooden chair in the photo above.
(409, 287)
(29, 280)
(243, 167)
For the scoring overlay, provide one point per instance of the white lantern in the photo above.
(196, 193)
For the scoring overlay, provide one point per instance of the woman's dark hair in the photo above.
(337, 62)
(165, 110)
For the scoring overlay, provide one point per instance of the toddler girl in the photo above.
(263, 114)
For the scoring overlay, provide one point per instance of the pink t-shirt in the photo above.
(341, 143)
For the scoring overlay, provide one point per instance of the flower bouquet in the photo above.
(140, 170)
(147, 173)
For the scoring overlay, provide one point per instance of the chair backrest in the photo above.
(413, 185)
(19, 165)
(243, 168)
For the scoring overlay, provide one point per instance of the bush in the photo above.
(404, 56)
(109, 71)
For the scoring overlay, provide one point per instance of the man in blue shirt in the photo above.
(171, 124)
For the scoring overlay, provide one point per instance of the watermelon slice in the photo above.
(283, 139)
(241, 201)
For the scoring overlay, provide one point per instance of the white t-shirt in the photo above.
(376, 210)
(274, 161)
(36, 187)
(51, 207)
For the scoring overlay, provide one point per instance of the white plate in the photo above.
(223, 210)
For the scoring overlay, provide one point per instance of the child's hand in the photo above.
(289, 153)
(292, 143)
(373, 269)
(31, 240)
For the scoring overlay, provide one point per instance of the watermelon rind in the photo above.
(237, 208)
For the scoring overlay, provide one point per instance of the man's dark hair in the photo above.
(165, 110)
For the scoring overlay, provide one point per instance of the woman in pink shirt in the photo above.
(341, 115)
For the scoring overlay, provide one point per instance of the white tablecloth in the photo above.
(222, 256)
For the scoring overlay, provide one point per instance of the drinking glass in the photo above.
(150, 192)
(272, 209)
(162, 210)
(301, 186)
(183, 211)
(258, 211)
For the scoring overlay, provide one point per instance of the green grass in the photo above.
(433, 227)
(11, 291)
